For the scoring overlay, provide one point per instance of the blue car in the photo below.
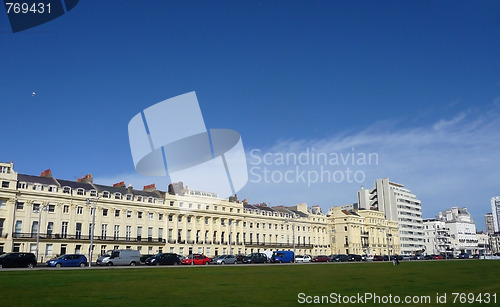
(68, 260)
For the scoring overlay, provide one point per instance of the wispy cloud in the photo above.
(451, 162)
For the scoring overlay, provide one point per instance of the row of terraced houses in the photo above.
(49, 217)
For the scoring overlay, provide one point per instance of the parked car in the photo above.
(418, 257)
(240, 257)
(428, 257)
(321, 258)
(340, 258)
(163, 258)
(353, 257)
(378, 258)
(145, 257)
(255, 258)
(303, 259)
(225, 259)
(17, 260)
(68, 260)
(437, 257)
(464, 256)
(122, 257)
(282, 257)
(198, 260)
(368, 257)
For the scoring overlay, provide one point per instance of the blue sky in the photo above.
(417, 82)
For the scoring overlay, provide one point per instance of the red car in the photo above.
(198, 260)
(437, 257)
(321, 258)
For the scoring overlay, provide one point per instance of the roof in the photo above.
(37, 179)
(75, 184)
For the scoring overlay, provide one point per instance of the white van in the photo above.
(122, 257)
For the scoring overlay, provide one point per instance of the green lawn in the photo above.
(246, 285)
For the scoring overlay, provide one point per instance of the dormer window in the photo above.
(139, 198)
(66, 190)
(52, 189)
(150, 200)
(80, 191)
(37, 187)
(93, 193)
(105, 194)
(118, 195)
(21, 185)
(129, 196)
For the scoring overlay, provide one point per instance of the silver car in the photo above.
(225, 259)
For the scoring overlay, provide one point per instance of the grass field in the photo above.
(246, 285)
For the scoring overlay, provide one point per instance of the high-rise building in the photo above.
(490, 224)
(436, 237)
(399, 205)
(495, 210)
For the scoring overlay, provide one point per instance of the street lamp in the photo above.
(230, 228)
(91, 248)
(39, 211)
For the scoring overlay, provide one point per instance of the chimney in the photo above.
(149, 187)
(130, 188)
(87, 179)
(120, 184)
(46, 173)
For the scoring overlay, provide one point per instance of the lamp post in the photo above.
(91, 248)
(39, 211)
(230, 233)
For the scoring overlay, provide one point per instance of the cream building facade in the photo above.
(362, 232)
(50, 217)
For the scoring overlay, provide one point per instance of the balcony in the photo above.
(79, 237)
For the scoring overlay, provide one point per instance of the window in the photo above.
(104, 212)
(19, 206)
(117, 213)
(206, 220)
(150, 233)
(128, 231)
(1, 226)
(65, 209)
(116, 234)
(150, 200)
(48, 249)
(171, 203)
(179, 219)
(80, 191)
(105, 194)
(139, 215)
(34, 229)
(52, 189)
(50, 229)
(3, 203)
(66, 190)
(64, 229)
(93, 193)
(189, 219)
(5, 184)
(151, 215)
(52, 208)
(160, 216)
(78, 233)
(118, 195)
(170, 218)
(79, 210)
(129, 214)
(139, 198)
(129, 197)
(160, 234)
(139, 233)
(104, 231)
(36, 207)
